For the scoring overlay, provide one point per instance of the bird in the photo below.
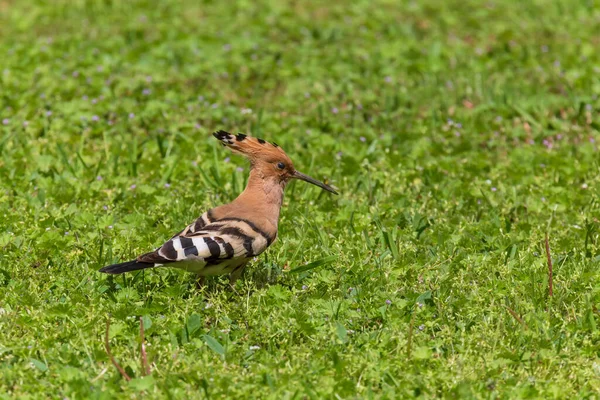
(225, 238)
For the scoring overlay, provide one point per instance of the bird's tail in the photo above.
(126, 267)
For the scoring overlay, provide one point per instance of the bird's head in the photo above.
(267, 158)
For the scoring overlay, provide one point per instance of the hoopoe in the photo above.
(225, 238)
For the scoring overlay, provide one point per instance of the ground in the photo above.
(459, 134)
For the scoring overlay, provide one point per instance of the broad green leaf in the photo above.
(214, 345)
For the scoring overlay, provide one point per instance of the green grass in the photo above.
(459, 133)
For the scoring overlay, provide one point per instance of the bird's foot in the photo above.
(200, 282)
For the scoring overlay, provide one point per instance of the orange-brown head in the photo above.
(267, 158)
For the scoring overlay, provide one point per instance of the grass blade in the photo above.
(313, 265)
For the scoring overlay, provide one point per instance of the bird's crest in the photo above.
(253, 148)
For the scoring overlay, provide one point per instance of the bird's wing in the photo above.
(240, 232)
(212, 241)
(201, 249)
(197, 225)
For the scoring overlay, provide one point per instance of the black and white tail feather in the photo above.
(128, 266)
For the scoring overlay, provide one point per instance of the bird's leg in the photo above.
(200, 282)
(236, 274)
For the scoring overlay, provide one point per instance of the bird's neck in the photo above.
(263, 195)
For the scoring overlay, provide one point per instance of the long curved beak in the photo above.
(306, 178)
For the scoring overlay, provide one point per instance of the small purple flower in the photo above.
(239, 169)
(543, 199)
(148, 79)
(339, 154)
(95, 118)
(421, 327)
(67, 233)
(131, 115)
(94, 101)
(592, 140)
(227, 47)
(478, 201)
(227, 159)
(307, 95)
(146, 92)
(557, 63)
(43, 96)
(388, 302)
(304, 287)
(25, 123)
(6, 121)
(494, 189)
(363, 139)
(85, 97)
(388, 79)
(75, 74)
(100, 68)
(544, 49)
(133, 186)
(531, 141)
(559, 136)
(420, 305)
(99, 178)
(200, 98)
(334, 110)
(167, 185)
(105, 208)
(194, 163)
(588, 107)
(48, 113)
(197, 126)
(458, 125)
(359, 106)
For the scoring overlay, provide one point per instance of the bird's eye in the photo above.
(280, 165)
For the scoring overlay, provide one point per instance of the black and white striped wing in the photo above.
(243, 235)
(201, 250)
(197, 225)
(237, 231)
(211, 242)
